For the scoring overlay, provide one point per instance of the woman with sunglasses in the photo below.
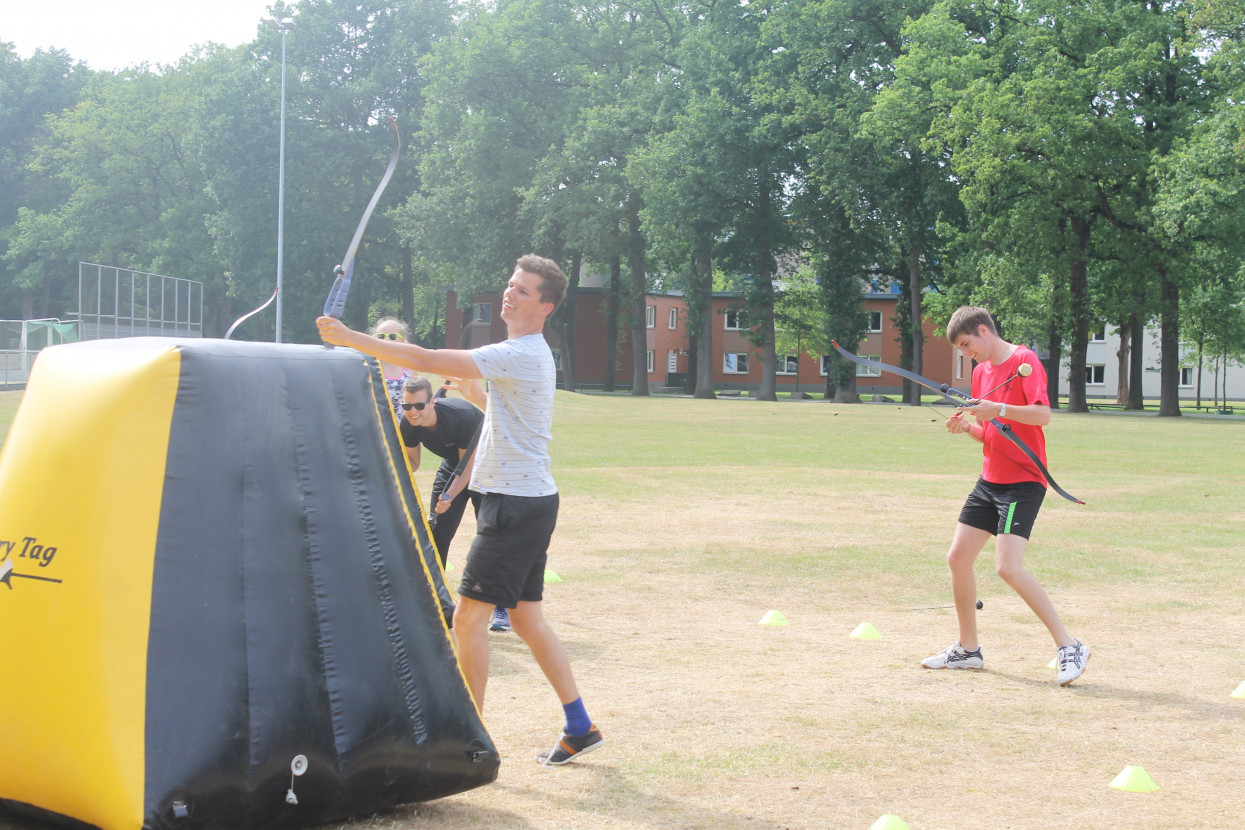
(391, 328)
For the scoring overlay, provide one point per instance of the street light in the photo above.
(283, 26)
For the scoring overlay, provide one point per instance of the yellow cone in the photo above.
(1134, 780)
(889, 822)
(865, 631)
(773, 618)
(1053, 664)
(550, 576)
(1239, 693)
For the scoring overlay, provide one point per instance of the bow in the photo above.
(336, 302)
(957, 397)
(248, 315)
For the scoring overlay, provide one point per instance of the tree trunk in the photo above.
(1121, 366)
(639, 328)
(1054, 349)
(914, 314)
(612, 302)
(566, 325)
(765, 297)
(903, 328)
(407, 289)
(1136, 363)
(702, 300)
(1078, 285)
(1169, 346)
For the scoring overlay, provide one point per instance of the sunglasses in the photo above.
(406, 407)
(389, 335)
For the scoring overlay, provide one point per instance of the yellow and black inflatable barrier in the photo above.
(220, 603)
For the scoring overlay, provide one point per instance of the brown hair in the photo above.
(966, 319)
(552, 280)
(418, 383)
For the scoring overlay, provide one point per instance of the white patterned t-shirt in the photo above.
(513, 454)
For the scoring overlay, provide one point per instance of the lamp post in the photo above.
(283, 26)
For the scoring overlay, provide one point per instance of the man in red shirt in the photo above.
(1009, 492)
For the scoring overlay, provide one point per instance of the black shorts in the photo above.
(506, 564)
(1003, 508)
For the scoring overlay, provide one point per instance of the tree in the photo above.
(46, 84)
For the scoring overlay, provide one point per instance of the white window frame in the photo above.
(650, 316)
(481, 313)
(861, 371)
(726, 367)
(869, 371)
(875, 328)
(1098, 335)
(1097, 370)
(783, 360)
(673, 319)
(1186, 370)
(730, 318)
(648, 359)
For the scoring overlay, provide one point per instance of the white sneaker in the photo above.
(1072, 660)
(954, 657)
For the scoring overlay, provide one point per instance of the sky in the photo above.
(109, 35)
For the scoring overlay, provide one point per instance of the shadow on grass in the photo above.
(1143, 699)
(619, 800)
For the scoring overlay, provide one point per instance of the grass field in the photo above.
(683, 522)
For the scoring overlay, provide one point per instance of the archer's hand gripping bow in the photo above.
(957, 397)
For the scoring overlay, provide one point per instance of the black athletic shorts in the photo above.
(1003, 508)
(506, 563)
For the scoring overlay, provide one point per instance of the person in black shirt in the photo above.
(445, 426)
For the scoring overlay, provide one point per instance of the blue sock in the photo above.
(577, 720)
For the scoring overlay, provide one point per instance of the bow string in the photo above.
(958, 398)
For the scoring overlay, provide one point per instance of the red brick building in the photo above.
(736, 362)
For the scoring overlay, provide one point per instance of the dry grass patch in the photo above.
(684, 521)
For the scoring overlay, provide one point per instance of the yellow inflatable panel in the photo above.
(77, 530)
(221, 604)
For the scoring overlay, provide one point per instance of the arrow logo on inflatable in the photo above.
(7, 573)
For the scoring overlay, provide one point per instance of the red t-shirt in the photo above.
(1004, 462)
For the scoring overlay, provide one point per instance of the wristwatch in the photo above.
(1002, 410)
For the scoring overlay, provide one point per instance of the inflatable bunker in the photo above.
(220, 603)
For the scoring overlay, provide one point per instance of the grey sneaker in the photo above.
(1072, 660)
(954, 657)
(500, 620)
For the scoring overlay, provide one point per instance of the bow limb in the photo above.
(957, 397)
(336, 302)
(950, 393)
(1009, 434)
(250, 314)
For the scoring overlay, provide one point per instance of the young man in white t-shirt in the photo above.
(519, 505)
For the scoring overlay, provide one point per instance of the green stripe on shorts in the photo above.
(1011, 511)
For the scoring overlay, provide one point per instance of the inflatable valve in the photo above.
(297, 767)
